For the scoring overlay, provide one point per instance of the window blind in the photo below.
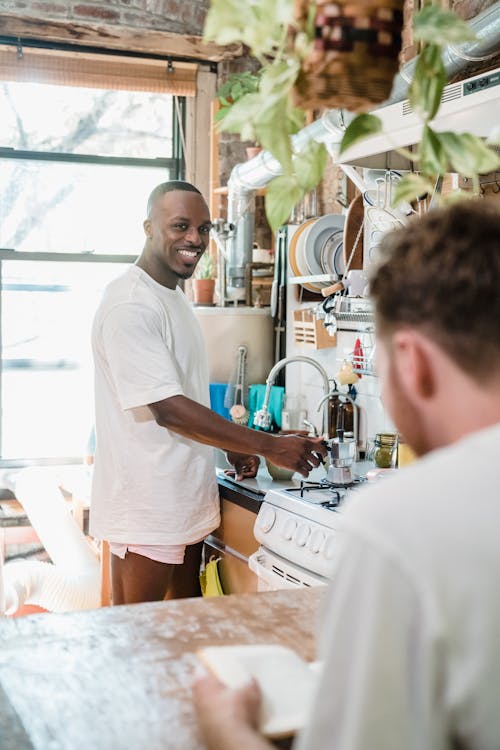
(34, 65)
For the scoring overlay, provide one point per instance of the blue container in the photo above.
(217, 395)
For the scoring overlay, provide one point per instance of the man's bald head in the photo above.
(168, 187)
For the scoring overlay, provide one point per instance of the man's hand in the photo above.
(298, 453)
(244, 466)
(228, 719)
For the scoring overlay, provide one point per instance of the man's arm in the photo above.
(228, 718)
(194, 421)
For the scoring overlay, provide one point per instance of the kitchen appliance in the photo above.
(298, 528)
(343, 456)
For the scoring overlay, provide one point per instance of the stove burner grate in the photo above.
(334, 493)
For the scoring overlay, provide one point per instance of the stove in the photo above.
(298, 529)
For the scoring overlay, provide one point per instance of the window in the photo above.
(77, 164)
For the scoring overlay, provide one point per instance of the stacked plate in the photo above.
(317, 249)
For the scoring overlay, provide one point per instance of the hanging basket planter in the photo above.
(355, 54)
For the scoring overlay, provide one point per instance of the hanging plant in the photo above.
(296, 41)
(234, 89)
(438, 152)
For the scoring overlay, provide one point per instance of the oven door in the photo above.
(274, 572)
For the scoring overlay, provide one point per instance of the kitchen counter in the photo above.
(119, 678)
(249, 493)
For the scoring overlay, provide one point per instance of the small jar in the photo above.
(385, 452)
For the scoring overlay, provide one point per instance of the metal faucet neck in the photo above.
(262, 417)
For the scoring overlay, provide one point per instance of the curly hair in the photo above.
(441, 273)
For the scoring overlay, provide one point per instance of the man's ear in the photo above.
(415, 365)
(148, 231)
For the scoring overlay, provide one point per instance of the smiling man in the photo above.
(154, 492)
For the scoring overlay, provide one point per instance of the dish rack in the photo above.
(308, 330)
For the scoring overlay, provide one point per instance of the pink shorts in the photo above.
(173, 554)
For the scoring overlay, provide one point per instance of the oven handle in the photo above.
(266, 575)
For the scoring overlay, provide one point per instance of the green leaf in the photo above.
(277, 80)
(428, 82)
(272, 131)
(309, 165)
(260, 24)
(361, 127)
(439, 26)
(468, 154)
(281, 196)
(411, 187)
(223, 23)
(433, 158)
(239, 117)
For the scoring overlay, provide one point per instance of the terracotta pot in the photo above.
(203, 291)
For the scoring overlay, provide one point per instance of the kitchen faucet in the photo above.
(262, 417)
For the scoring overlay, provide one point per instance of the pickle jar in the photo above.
(385, 450)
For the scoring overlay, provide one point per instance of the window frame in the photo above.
(176, 169)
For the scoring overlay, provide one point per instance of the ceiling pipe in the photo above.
(255, 173)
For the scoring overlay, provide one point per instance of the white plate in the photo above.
(331, 256)
(300, 256)
(317, 236)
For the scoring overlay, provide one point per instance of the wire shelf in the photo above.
(363, 363)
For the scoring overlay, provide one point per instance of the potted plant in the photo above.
(283, 37)
(204, 281)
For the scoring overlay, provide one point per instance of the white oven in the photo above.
(274, 572)
(297, 529)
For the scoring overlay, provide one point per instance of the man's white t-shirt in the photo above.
(150, 485)
(411, 633)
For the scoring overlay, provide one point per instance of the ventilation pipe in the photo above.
(72, 580)
(329, 129)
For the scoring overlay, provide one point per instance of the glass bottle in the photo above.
(386, 450)
(333, 409)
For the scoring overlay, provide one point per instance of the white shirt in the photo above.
(150, 485)
(411, 636)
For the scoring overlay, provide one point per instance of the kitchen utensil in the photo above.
(358, 358)
(353, 223)
(238, 411)
(386, 450)
(300, 256)
(292, 253)
(331, 255)
(292, 249)
(333, 289)
(317, 235)
(380, 213)
(343, 455)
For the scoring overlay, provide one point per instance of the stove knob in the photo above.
(266, 519)
(301, 535)
(289, 528)
(317, 541)
(329, 548)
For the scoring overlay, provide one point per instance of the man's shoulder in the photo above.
(127, 289)
(437, 488)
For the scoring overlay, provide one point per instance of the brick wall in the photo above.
(176, 16)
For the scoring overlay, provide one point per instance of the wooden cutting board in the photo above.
(353, 221)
